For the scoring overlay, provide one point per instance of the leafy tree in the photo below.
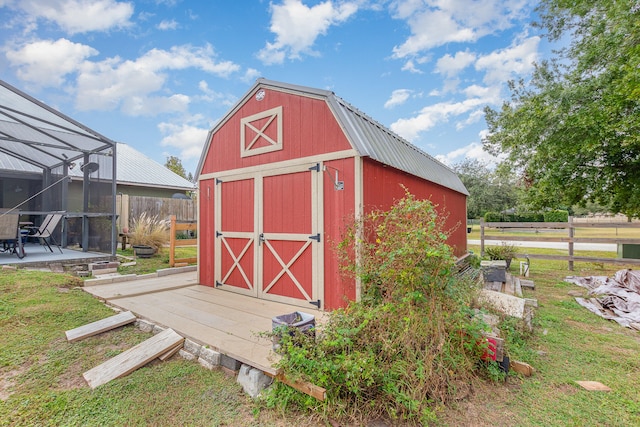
(573, 132)
(174, 164)
(489, 190)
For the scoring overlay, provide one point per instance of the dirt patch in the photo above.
(472, 411)
(72, 378)
(7, 381)
(567, 389)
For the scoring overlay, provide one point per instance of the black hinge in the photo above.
(218, 284)
(218, 181)
(315, 168)
(316, 237)
(218, 234)
(316, 303)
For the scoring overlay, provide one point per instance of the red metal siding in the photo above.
(383, 186)
(206, 242)
(339, 210)
(309, 128)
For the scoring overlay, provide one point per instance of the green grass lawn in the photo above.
(156, 262)
(41, 373)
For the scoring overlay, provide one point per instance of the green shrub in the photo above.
(410, 342)
(530, 217)
(503, 251)
(556, 216)
(492, 217)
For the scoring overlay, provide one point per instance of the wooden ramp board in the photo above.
(100, 326)
(132, 359)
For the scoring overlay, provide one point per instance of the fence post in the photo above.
(571, 235)
(172, 242)
(481, 237)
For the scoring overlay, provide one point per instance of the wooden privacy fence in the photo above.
(569, 238)
(175, 242)
(129, 207)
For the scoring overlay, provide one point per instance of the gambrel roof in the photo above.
(368, 137)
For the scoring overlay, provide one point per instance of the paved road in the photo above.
(608, 247)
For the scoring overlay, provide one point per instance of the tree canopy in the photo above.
(174, 164)
(573, 132)
(488, 189)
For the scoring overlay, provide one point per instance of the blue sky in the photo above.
(158, 74)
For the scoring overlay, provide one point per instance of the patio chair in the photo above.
(9, 234)
(45, 232)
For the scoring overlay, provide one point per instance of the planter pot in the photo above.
(143, 251)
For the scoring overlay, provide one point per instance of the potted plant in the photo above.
(148, 234)
(504, 251)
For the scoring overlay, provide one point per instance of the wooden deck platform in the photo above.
(225, 321)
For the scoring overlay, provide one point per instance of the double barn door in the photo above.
(269, 235)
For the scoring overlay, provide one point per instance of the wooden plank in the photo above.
(517, 286)
(593, 386)
(171, 352)
(612, 240)
(303, 386)
(528, 238)
(521, 367)
(132, 359)
(607, 224)
(142, 286)
(525, 224)
(100, 326)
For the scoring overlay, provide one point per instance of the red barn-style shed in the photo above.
(279, 176)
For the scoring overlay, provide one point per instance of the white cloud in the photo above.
(250, 75)
(411, 67)
(187, 137)
(80, 16)
(472, 151)
(47, 62)
(211, 96)
(398, 97)
(439, 22)
(297, 27)
(113, 82)
(450, 66)
(165, 25)
(517, 60)
(432, 115)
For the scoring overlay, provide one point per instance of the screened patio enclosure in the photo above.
(51, 163)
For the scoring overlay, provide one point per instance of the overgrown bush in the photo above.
(411, 343)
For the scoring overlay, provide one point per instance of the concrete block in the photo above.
(206, 364)
(210, 356)
(144, 326)
(494, 271)
(506, 304)
(253, 380)
(186, 355)
(229, 362)
(192, 347)
(157, 329)
(97, 267)
(176, 270)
